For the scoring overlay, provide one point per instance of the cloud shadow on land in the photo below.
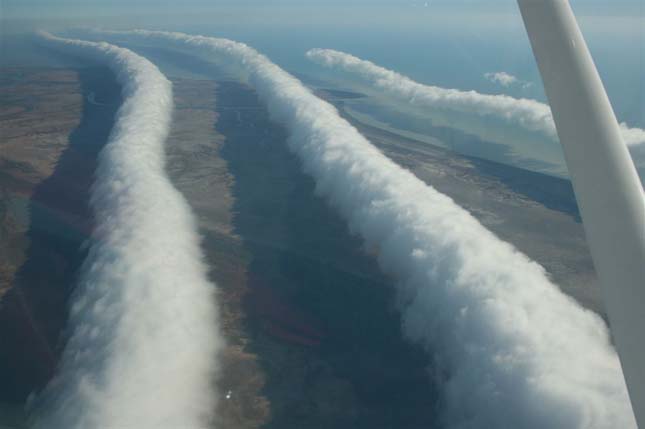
(34, 312)
(319, 312)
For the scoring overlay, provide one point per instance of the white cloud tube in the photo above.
(143, 321)
(509, 349)
(529, 114)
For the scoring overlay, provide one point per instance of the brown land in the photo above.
(313, 338)
(199, 172)
(301, 351)
(51, 135)
(39, 109)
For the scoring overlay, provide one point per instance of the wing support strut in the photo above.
(606, 185)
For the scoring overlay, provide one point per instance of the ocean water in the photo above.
(449, 50)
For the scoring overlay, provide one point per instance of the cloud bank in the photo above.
(143, 323)
(529, 114)
(508, 348)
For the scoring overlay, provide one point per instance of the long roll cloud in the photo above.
(508, 348)
(143, 323)
(529, 114)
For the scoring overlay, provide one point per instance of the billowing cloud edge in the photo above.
(508, 348)
(530, 114)
(143, 324)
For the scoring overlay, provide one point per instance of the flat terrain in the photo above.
(53, 124)
(39, 109)
(313, 339)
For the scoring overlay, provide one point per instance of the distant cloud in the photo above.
(503, 78)
(507, 80)
(526, 113)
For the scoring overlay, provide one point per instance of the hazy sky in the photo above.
(450, 43)
(62, 8)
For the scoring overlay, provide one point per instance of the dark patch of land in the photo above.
(313, 338)
(39, 108)
(320, 314)
(51, 137)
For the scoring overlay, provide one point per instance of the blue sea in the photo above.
(444, 49)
